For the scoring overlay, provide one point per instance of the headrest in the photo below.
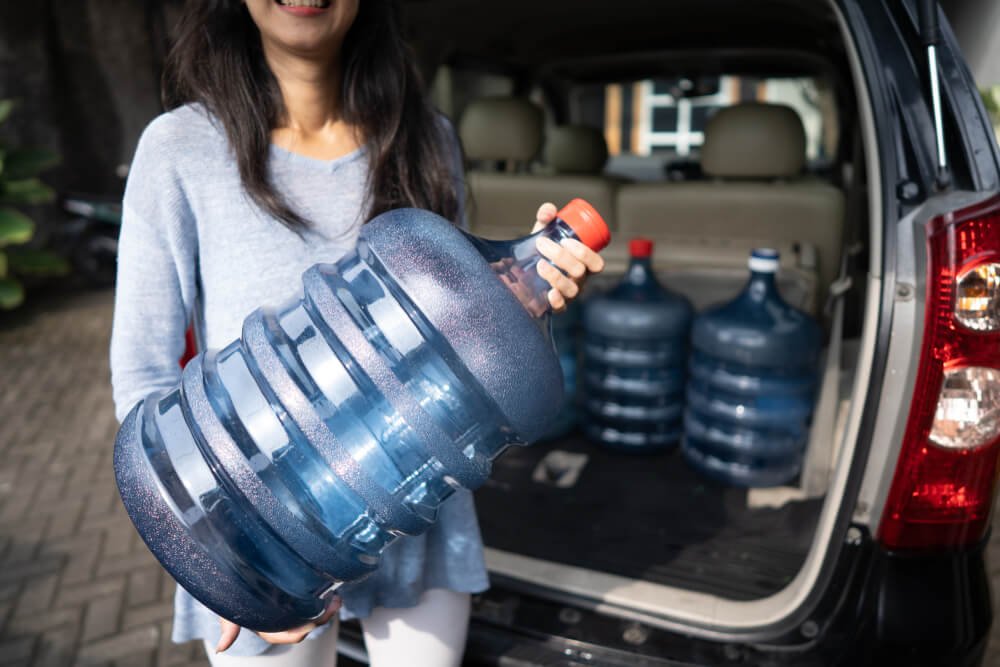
(575, 149)
(754, 140)
(501, 128)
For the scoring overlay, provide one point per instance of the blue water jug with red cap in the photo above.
(635, 350)
(284, 463)
(752, 379)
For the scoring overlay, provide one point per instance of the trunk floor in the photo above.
(647, 517)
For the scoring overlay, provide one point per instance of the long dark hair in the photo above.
(217, 60)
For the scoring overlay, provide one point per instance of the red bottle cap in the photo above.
(587, 223)
(640, 247)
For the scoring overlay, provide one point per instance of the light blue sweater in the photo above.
(191, 235)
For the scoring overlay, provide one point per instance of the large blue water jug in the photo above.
(284, 463)
(566, 338)
(635, 350)
(753, 373)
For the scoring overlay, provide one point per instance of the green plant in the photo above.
(20, 186)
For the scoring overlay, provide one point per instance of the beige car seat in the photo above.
(755, 195)
(502, 204)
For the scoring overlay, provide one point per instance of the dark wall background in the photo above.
(86, 73)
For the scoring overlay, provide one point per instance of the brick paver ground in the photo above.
(77, 586)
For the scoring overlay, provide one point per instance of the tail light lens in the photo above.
(968, 409)
(977, 306)
(943, 489)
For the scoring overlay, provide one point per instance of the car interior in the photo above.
(711, 128)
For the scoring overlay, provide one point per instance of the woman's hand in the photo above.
(230, 631)
(575, 260)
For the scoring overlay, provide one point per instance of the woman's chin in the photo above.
(303, 46)
(305, 28)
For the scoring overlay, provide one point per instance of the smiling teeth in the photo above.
(304, 3)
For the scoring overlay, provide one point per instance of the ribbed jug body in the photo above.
(751, 384)
(284, 463)
(635, 349)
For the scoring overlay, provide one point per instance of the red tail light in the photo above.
(943, 489)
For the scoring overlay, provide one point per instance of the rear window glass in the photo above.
(655, 127)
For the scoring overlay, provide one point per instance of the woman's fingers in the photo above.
(593, 261)
(562, 257)
(573, 257)
(230, 630)
(296, 635)
(557, 301)
(546, 212)
(566, 287)
(288, 636)
(562, 287)
(333, 605)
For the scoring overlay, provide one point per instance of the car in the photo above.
(888, 220)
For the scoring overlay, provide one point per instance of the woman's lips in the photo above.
(303, 10)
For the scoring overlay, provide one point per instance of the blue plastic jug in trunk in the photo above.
(635, 348)
(752, 379)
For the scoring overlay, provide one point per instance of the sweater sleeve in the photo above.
(157, 271)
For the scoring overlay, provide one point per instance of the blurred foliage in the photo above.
(991, 98)
(20, 186)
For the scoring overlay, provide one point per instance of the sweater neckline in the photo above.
(316, 163)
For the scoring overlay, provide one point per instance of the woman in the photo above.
(292, 126)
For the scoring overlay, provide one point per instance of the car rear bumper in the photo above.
(882, 608)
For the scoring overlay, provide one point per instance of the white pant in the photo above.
(431, 634)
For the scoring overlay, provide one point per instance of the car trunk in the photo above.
(571, 504)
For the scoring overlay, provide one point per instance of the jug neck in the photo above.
(516, 265)
(516, 262)
(640, 272)
(763, 285)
